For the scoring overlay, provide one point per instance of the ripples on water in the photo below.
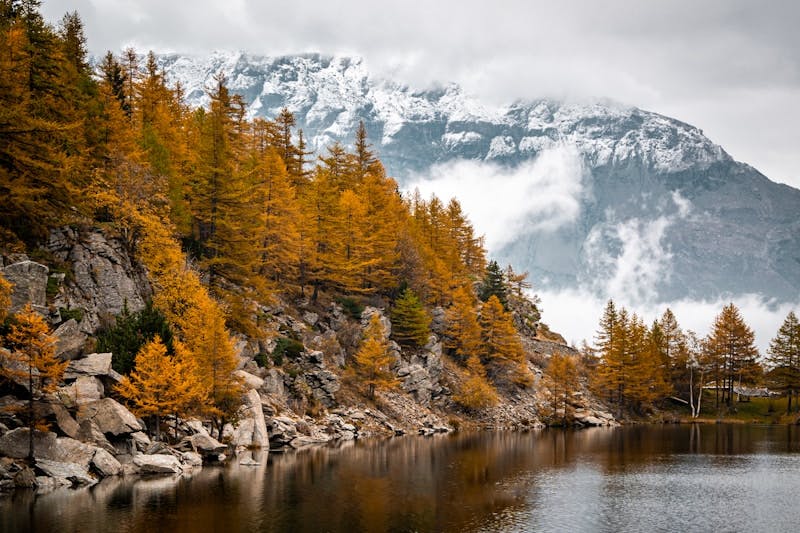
(674, 478)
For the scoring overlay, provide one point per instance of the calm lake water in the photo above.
(672, 478)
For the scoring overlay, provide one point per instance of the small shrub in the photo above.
(285, 346)
(351, 307)
(67, 314)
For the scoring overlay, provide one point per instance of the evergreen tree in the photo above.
(494, 284)
(410, 321)
(784, 358)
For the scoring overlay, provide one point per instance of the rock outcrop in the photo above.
(103, 278)
(29, 280)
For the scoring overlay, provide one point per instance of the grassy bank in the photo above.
(748, 411)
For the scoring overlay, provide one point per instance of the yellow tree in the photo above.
(385, 214)
(373, 358)
(784, 358)
(205, 336)
(463, 337)
(279, 217)
(561, 380)
(31, 359)
(732, 343)
(161, 384)
(476, 392)
(502, 348)
(5, 298)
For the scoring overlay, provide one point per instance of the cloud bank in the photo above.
(503, 203)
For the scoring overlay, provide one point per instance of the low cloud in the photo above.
(504, 203)
(629, 258)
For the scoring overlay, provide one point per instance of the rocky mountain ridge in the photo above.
(651, 190)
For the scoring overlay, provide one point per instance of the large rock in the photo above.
(324, 384)
(70, 340)
(90, 433)
(251, 431)
(74, 473)
(206, 444)
(103, 280)
(29, 280)
(85, 389)
(15, 444)
(110, 417)
(282, 431)
(64, 420)
(69, 450)
(249, 380)
(106, 464)
(158, 464)
(96, 364)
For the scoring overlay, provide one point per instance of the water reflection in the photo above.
(625, 479)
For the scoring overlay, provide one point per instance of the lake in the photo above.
(642, 478)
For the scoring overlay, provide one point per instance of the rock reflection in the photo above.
(579, 480)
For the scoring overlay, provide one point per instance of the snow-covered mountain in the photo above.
(662, 212)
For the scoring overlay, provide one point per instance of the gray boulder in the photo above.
(90, 433)
(106, 464)
(74, 473)
(70, 340)
(96, 364)
(29, 280)
(249, 380)
(15, 444)
(158, 464)
(25, 478)
(64, 420)
(206, 444)
(110, 417)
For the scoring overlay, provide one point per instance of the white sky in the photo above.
(729, 67)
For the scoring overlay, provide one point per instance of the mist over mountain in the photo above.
(598, 196)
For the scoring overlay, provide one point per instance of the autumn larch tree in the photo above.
(463, 336)
(502, 349)
(372, 360)
(5, 298)
(561, 381)
(784, 358)
(732, 344)
(31, 359)
(162, 384)
(476, 392)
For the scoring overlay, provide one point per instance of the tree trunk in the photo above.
(30, 411)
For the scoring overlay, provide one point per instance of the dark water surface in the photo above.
(673, 478)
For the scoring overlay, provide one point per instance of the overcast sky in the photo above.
(731, 68)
